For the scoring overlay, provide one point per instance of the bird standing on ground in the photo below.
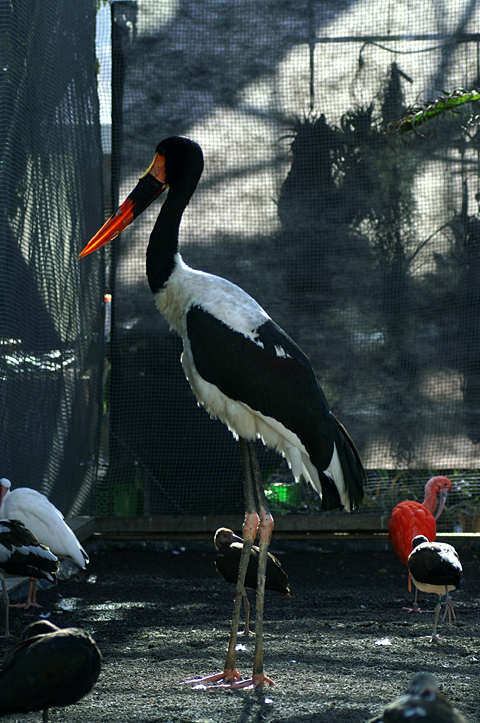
(227, 560)
(22, 555)
(243, 369)
(422, 702)
(410, 518)
(46, 522)
(49, 667)
(435, 567)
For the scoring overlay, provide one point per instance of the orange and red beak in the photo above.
(149, 187)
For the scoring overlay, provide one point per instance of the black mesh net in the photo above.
(51, 321)
(362, 243)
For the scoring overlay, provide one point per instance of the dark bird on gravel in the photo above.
(227, 560)
(410, 518)
(435, 567)
(50, 667)
(421, 703)
(22, 555)
(243, 369)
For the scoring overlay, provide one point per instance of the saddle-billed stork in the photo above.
(435, 567)
(410, 518)
(50, 667)
(242, 368)
(22, 555)
(227, 560)
(42, 518)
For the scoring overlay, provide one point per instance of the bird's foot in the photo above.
(28, 604)
(229, 676)
(416, 609)
(256, 681)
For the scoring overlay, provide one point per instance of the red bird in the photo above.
(410, 518)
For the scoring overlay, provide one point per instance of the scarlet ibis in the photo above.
(422, 702)
(49, 667)
(435, 567)
(22, 555)
(242, 368)
(45, 521)
(227, 560)
(410, 518)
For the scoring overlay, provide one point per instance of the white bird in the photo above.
(45, 521)
(242, 368)
(22, 555)
(435, 567)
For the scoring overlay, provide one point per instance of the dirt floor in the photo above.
(340, 649)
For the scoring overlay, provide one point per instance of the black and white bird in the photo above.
(49, 667)
(46, 522)
(435, 567)
(22, 555)
(241, 367)
(422, 702)
(227, 561)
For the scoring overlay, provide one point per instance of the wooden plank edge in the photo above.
(168, 524)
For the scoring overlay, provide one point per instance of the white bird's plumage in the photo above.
(42, 518)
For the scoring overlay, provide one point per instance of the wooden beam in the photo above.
(291, 524)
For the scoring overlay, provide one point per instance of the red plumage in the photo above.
(410, 518)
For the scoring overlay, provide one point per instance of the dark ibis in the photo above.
(435, 567)
(50, 667)
(22, 555)
(227, 560)
(46, 522)
(410, 518)
(422, 702)
(243, 369)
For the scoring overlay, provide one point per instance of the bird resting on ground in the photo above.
(50, 667)
(422, 702)
(227, 561)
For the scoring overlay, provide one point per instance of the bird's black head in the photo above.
(183, 161)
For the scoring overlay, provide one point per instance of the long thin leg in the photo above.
(265, 529)
(246, 605)
(250, 526)
(6, 602)
(32, 596)
(434, 637)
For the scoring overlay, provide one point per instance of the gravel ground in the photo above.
(340, 649)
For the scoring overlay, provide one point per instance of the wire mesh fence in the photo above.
(361, 242)
(362, 245)
(51, 324)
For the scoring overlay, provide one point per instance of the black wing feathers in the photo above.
(431, 564)
(273, 376)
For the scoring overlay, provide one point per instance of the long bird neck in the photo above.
(163, 244)
(430, 500)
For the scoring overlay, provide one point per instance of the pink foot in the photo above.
(229, 676)
(256, 681)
